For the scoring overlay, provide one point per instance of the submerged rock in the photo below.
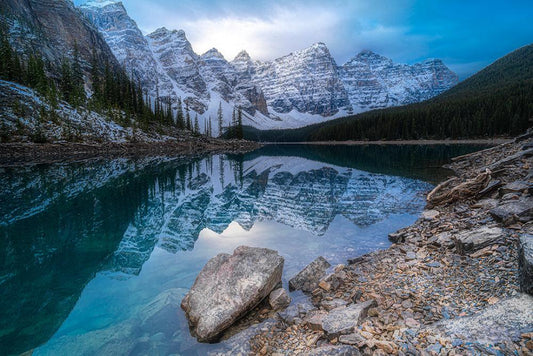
(477, 239)
(228, 287)
(308, 278)
(525, 263)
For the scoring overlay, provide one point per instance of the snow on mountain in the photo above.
(299, 89)
(304, 194)
(374, 81)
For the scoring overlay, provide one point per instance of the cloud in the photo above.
(286, 29)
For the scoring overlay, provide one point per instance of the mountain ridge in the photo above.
(303, 87)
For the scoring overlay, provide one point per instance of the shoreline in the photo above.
(450, 283)
(17, 154)
(494, 141)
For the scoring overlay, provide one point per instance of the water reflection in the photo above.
(96, 255)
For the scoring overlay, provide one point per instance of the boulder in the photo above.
(338, 350)
(525, 263)
(518, 209)
(228, 287)
(344, 320)
(307, 279)
(279, 299)
(333, 304)
(476, 239)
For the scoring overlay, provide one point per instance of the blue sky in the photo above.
(466, 35)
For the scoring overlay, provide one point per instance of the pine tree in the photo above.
(196, 125)
(187, 116)
(239, 131)
(179, 120)
(220, 119)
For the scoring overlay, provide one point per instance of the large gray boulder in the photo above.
(307, 279)
(476, 239)
(228, 287)
(525, 263)
(338, 350)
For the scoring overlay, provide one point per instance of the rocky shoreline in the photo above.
(12, 154)
(455, 282)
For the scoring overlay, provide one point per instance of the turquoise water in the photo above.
(96, 255)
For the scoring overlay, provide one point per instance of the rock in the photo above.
(314, 319)
(525, 263)
(486, 204)
(351, 339)
(344, 320)
(430, 214)
(501, 322)
(388, 347)
(295, 312)
(338, 350)
(395, 237)
(506, 213)
(476, 239)
(308, 278)
(332, 304)
(228, 287)
(493, 184)
(412, 323)
(279, 299)
(410, 255)
(445, 239)
(514, 187)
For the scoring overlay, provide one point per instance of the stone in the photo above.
(314, 319)
(228, 287)
(307, 279)
(410, 255)
(430, 214)
(498, 323)
(344, 320)
(473, 240)
(386, 346)
(445, 239)
(493, 184)
(338, 350)
(514, 187)
(279, 299)
(334, 303)
(521, 209)
(525, 263)
(295, 312)
(351, 339)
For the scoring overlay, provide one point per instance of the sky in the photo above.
(467, 35)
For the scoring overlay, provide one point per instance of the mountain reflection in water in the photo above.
(93, 246)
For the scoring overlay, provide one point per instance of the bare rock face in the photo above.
(52, 29)
(509, 212)
(340, 350)
(228, 287)
(477, 239)
(525, 263)
(308, 278)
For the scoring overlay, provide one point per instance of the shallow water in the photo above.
(96, 256)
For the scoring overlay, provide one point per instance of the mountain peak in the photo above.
(242, 56)
(213, 53)
(101, 3)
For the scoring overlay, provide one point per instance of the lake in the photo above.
(97, 255)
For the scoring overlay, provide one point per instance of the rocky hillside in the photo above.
(299, 89)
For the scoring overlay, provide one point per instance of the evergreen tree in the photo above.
(196, 125)
(180, 120)
(220, 119)
(239, 131)
(187, 116)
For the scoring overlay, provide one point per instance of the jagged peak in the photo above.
(213, 53)
(101, 3)
(242, 56)
(163, 31)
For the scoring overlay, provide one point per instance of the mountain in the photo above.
(374, 81)
(53, 29)
(494, 101)
(304, 87)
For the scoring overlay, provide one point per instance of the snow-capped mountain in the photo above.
(299, 89)
(374, 81)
